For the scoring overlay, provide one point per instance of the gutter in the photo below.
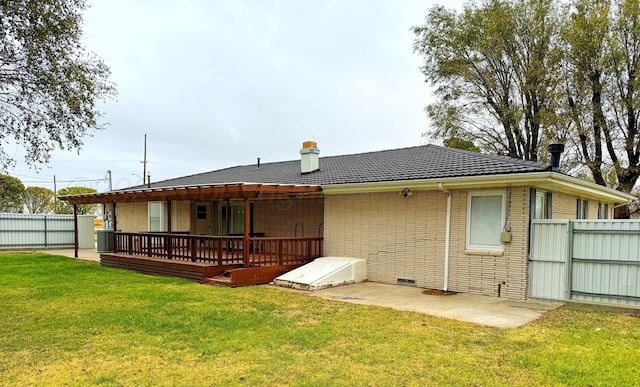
(447, 238)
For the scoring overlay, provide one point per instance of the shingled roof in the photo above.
(414, 163)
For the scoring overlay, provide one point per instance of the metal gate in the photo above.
(548, 260)
(586, 260)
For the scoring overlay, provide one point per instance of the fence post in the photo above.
(45, 232)
(569, 263)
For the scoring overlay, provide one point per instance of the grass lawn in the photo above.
(68, 322)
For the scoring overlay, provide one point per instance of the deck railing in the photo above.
(223, 250)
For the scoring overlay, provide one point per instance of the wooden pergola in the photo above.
(243, 191)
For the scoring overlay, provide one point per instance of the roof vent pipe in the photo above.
(310, 155)
(258, 162)
(555, 150)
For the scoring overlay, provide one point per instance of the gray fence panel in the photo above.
(548, 259)
(606, 262)
(42, 231)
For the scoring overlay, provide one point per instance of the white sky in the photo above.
(216, 84)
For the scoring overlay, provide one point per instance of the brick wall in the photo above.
(278, 218)
(399, 237)
(564, 207)
(484, 273)
(405, 238)
(133, 217)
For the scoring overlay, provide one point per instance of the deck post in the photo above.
(168, 237)
(194, 244)
(148, 245)
(219, 242)
(245, 242)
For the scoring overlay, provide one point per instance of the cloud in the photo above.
(220, 83)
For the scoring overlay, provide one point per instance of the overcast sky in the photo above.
(216, 84)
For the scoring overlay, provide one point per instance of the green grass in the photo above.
(68, 322)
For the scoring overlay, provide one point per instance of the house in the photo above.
(425, 216)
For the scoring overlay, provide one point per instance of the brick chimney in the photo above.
(310, 155)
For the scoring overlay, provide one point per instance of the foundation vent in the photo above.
(406, 282)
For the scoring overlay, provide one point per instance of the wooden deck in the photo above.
(211, 259)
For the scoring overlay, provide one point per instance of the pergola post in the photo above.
(75, 230)
(113, 207)
(247, 222)
(168, 244)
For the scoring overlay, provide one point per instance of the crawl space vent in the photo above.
(406, 282)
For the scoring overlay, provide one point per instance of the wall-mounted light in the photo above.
(406, 192)
(292, 196)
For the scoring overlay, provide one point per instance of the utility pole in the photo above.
(144, 162)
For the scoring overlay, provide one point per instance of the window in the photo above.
(232, 218)
(485, 219)
(541, 212)
(582, 209)
(158, 216)
(603, 211)
(201, 212)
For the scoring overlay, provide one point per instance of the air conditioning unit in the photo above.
(105, 240)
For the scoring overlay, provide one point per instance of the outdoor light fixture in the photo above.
(406, 192)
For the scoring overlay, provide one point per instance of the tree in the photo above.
(12, 194)
(49, 84)
(494, 68)
(603, 88)
(515, 75)
(63, 207)
(39, 200)
(459, 143)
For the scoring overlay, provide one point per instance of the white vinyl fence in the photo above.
(586, 260)
(19, 231)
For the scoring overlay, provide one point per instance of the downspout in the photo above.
(446, 238)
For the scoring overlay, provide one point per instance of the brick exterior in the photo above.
(401, 238)
(405, 238)
(133, 217)
(564, 207)
(275, 218)
(278, 218)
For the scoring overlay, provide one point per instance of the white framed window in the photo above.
(157, 212)
(485, 220)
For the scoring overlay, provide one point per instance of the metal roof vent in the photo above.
(555, 150)
(310, 156)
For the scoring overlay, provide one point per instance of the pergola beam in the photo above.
(208, 192)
